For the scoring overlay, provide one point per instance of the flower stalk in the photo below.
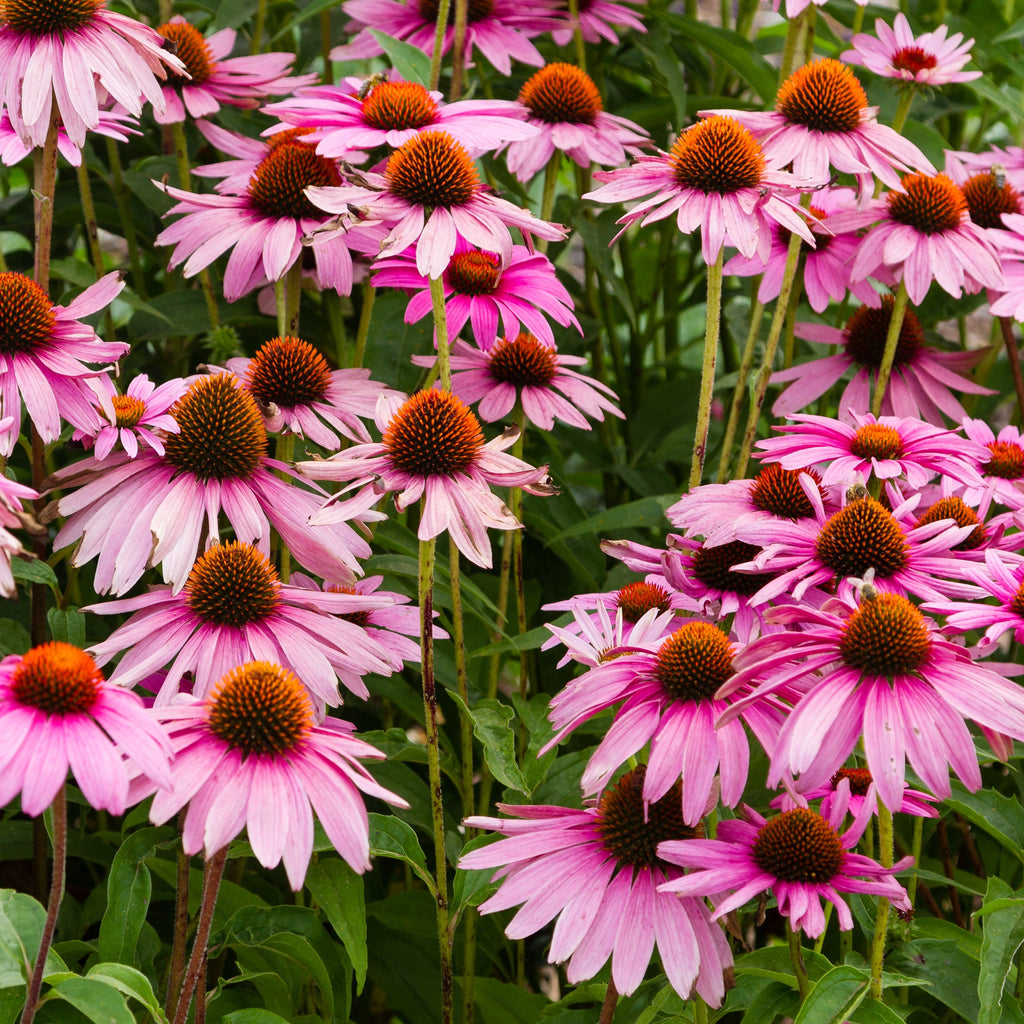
(796, 956)
(885, 857)
(899, 309)
(746, 362)
(712, 332)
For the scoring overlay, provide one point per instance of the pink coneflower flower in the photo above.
(1008, 299)
(795, 7)
(346, 120)
(265, 221)
(989, 197)
(717, 179)
(213, 78)
(602, 623)
(497, 299)
(251, 755)
(922, 383)
(822, 122)
(432, 195)
(563, 104)
(57, 713)
(1003, 471)
(884, 448)
(860, 785)
(433, 448)
(118, 125)
(297, 391)
(43, 354)
(1008, 161)
(799, 855)
(12, 517)
(140, 414)
(596, 20)
(595, 872)
(234, 608)
(62, 52)
(922, 233)
(927, 59)
(826, 274)
(524, 370)
(877, 672)
(163, 510)
(500, 29)
(665, 691)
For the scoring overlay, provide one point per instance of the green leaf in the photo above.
(307, 12)
(98, 1000)
(596, 240)
(1002, 936)
(491, 720)
(1002, 817)
(531, 640)
(339, 892)
(35, 570)
(408, 60)
(773, 962)
(834, 997)
(471, 888)
(392, 837)
(502, 1003)
(21, 926)
(14, 638)
(67, 625)
(540, 730)
(253, 1015)
(131, 983)
(872, 1011)
(645, 513)
(952, 974)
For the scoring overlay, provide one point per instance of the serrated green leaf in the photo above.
(408, 60)
(339, 892)
(491, 726)
(834, 996)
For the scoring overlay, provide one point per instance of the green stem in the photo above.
(176, 969)
(746, 362)
(438, 51)
(441, 332)
(707, 373)
(257, 32)
(92, 235)
(284, 451)
(771, 345)
(577, 34)
(326, 45)
(789, 335)
(547, 199)
(501, 618)
(124, 212)
(515, 504)
(885, 857)
(458, 69)
(899, 309)
(858, 18)
(430, 715)
(794, 44)
(796, 955)
(906, 101)
(59, 809)
(1010, 341)
(915, 849)
(363, 331)
(293, 297)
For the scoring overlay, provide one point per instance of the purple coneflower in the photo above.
(596, 18)
(1002, 472)
(12, 517)
(861, 788)
(602, 623)
(596, 873)
(118, 125)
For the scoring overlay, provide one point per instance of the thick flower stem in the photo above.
(197, 962)
(611, 998)
(899, 309)
(915, 850)
(363, 330)
(795, 45)
(906, 100)
(707, 373)
(441, 332)
(746, 362)
(426, 593)
(515, 504)
(547, 199)
(438, 51)
(459, 53)
(504, 576)
(770, 348)
(796, 955)
(326, 45)
(176, 970)
(257, 33)
(1012, 353)
(59, 809)
(92, 234)
(577, 34)
(885, 858)
(124, 212)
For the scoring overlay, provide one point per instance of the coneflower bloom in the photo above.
(496, 299)
(928, 59)
(563, 104)
(12, 517)
(57, 713)
(988, 200)
(140, 414)
(118, 125)
(665, 691)
(164, 509)
(822, 122)
(876, 671)
(347, 120)
(922, 233)
(524, 370)
(251, 755)
(800, 855)
(717, 179)
(431, 195)
(1002, 472)
(923, 379)
(432, 448)
(1008, 299)
(44, 349)
(596, 18)
(297, 391)
(500, 29)
(885, 448)
(61, 52)
(264, 222)
(234, 608)
(596, 873)
(213, 78)
(602, 623)
(861, 789)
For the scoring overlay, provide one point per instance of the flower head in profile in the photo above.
(497, 299)
(431, 195)
(859, 784)
(822, 122)
(57, 713)
(44, 350)
(524, 370)
(213, 78)
(13, 517)
(717, 179)
(234, 608)
(251, 755)
(596, 873)
(924, 380)
(928, 59)
(360, 115)
(216, 464)
(433, 448)
(1002, 472)
(70, 53)
(800, 855)
(114, 124)
(562, 102)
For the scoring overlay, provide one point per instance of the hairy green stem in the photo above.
(515, 504)
(915, 850)
(746, 362)
(326, 45)
(212, 875)
(441, 332)
(501, 618)
(459, 65)
(257, 33)
(577, 34)
(438, 51)
(903, 109)
(795, 34)
(713, 326)
(124, 212)
(885, 857)
(363, 330)
(899, 309)
(796, 955)
(547, 199)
